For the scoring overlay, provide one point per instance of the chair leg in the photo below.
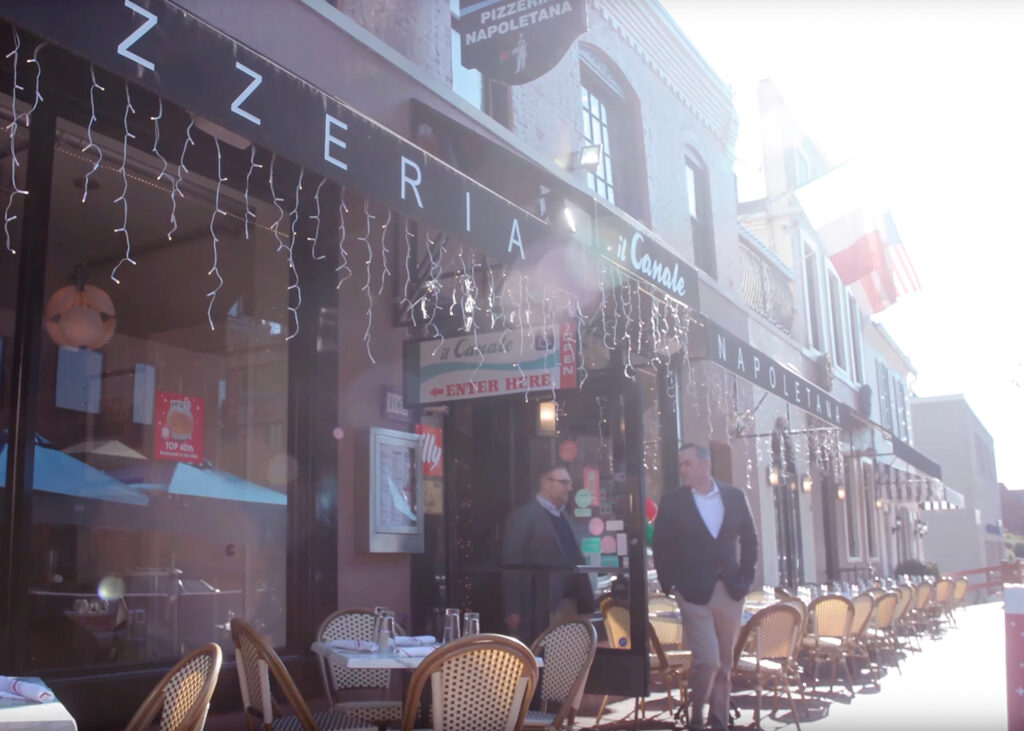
(792, 704)
(600, 710)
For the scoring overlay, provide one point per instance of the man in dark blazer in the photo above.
(696, 536)
(537, 533)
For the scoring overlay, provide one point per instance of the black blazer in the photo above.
(690, 561)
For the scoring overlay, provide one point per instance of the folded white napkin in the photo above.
(414, 640)
(414, 651)
(354, 645)
(15, 688)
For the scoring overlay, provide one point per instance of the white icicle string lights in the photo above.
(406, 303)
(576, 312)
(275, 227)
(365, 238)
(316, 217)
(384, 252)
(176, 184)
(36, 95)
(249, 213)
(290, 247)
(342, 233)
(123, 198)
(156, 140)
(12, 130)
(214, 270)
(90, 143)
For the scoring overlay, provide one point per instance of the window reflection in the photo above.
(161, 463)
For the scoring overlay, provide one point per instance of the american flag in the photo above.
(859, 236)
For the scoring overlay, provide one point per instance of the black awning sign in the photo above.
(186, 61)
(516, 42)
(740, 358)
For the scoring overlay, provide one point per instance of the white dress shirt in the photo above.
(711, 508)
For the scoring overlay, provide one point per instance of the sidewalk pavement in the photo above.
(956, 681)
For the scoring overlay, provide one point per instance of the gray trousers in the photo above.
(711, 631)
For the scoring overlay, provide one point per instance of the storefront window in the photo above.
(160, 459)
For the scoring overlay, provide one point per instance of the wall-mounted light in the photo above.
(773, 476)
(897, 525)
(547, 418)
(806, 483)
(588, 158)
(878, 503)
(792, 484)
(569, 218)
(841, 492)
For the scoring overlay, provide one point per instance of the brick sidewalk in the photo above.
(956, 682)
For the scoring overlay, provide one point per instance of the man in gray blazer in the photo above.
(695, 545)
(538, 534)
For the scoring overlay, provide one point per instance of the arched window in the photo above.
(611, 119)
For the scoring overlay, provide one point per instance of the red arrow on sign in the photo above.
(436, 391)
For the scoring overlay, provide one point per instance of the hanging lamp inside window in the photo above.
(80, 315)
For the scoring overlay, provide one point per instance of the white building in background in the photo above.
(960, 540)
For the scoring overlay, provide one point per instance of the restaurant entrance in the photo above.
(609, 433)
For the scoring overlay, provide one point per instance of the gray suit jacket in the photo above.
(530, 539)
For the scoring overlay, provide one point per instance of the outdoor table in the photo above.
(16, 715)
(374, 660)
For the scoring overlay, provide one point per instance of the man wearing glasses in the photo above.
(537, 533)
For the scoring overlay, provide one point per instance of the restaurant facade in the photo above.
(293, 305)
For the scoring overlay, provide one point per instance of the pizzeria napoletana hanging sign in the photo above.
(516, 42)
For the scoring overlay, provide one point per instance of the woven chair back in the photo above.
(771, 634)
(182, 697)
(616, 624)
(943, 590)
(863, 606)
(669, 630)
(798, 603)
(568, 650)
(257, 663)
(885, 610)
(832, 616)
(351, 624)
(923, 593)
(479, 683)
(960, 589)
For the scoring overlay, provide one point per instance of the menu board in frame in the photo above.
(396, 492)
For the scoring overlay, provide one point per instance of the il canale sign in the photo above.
(492, 364)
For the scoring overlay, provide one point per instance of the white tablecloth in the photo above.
(373, 660)
(28, 716)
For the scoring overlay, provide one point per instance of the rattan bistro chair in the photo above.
(882, 636)
(478, 683)
(764, 654)
(257, 663)
(356, 624)
(182, 697)
(863, 612)
(568, 650)
(831, 620)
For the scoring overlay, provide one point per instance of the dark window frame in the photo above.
(699, 209)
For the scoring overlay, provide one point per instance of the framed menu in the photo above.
(395, 492)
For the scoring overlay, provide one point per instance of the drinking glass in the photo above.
(386, 633)
(451, 625)
(471, 624)
(377, 612)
